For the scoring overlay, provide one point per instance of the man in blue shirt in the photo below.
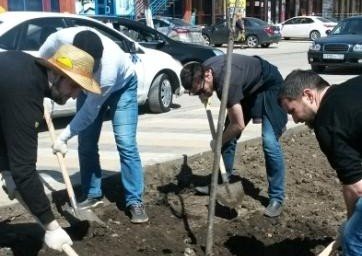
(117, 77)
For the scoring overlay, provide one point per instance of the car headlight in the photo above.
(218, 52)
(315, 47)
(357, 48)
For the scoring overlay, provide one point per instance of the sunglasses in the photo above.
(200, 90)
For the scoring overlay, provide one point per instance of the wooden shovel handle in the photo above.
(213, 134)
(68, 250)
(68, 183)
(327, 251)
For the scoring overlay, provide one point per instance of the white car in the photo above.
(311, 27)
(158, 73)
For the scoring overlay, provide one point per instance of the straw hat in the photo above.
(75, 64)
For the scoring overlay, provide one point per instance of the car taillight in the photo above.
(269, 30)
(328, 26)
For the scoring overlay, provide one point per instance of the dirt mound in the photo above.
(178, 217)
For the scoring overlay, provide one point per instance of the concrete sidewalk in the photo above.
(161, 138)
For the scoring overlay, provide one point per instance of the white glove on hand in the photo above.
(8, 184)
(55, 237)
(60, 146)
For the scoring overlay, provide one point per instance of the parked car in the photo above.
(151, 38)
(158, 73)
(178, 29)
(342, 47)
(311, 27)
(257, 33)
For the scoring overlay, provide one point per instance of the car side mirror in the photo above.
(328, 32)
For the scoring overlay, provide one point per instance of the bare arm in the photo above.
(236, 125)
(351, 194)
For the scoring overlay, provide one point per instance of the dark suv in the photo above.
(342, 47)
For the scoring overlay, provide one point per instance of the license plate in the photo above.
(333, 56)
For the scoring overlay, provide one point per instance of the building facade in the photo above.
(207, 11)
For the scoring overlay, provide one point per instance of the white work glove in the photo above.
(60, 146)
(8, 184)
(55, 237)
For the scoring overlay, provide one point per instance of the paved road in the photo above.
(161, 137)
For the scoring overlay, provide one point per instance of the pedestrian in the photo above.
(239, 28)
(21, 110)
(117, 77)
(253, 94)
(335, 114)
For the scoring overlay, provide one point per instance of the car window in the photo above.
(137, 34)
(307, 21)
(159, 24)
(348, 27)
(118, 39)
(179, 22)
(254, 23)
(291, 21)
(30, 35)
(9, 39)
(322, 19)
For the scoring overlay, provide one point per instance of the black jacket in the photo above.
(23, 86)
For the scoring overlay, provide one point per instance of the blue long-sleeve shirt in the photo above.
(115, 70)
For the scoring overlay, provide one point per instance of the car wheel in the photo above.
(265, 45)
(218, 45)
(206, 38)
(314, 35)
(286, 38)
(160, 94)
(252, 41)
(317, 68)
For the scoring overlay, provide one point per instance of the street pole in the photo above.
(213, 18)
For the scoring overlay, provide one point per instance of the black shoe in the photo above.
(91, 203)
(274, 209)
(138, 213)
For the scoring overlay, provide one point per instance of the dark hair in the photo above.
(298, 80)
(89, 42)
(189, 72)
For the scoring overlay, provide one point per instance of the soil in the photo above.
(312, 211)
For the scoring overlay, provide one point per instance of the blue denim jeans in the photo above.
(352, 233)
(274, 160)
(123, 108)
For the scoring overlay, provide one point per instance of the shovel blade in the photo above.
(84, 215)
(230, 195)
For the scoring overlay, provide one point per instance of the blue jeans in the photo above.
(352, 233)
(274, 160)
(124, 115)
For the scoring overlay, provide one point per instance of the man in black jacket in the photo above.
(335, 114)
(253, 94)
(24, 82)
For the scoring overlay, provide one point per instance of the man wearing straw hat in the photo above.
(60, 77)
(116, 75)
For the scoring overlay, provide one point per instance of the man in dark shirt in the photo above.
(254, 88)
(335, 114)
(24, 82)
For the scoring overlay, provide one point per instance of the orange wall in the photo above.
(66, 6)
(4, 4)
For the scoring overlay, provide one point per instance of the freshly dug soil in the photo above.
(312, 212)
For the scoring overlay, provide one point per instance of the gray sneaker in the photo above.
(274, 209)
(138, 213)
(91, 203)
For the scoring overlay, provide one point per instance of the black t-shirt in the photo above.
(246, 72)
(338, 128)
